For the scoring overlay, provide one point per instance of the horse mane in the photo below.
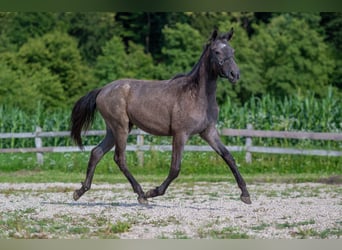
(193, 75)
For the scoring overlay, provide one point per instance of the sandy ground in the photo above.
(191, 210)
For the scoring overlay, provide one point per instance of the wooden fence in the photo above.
(140, 147)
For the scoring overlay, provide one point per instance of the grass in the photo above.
(299, 231)
(16, 225)
(119, 227)
(260, 227)
(44, 176)
(330, 231)
(291, 225)
(311, 233)
(224, 233)
(60, 167)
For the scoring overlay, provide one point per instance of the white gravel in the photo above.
(191, 210)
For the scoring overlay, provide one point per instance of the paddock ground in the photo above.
(187, 210)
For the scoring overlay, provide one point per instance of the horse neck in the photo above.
(204, 77)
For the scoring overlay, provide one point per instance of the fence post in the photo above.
(38, 143)
(248, 145)
(140, 154)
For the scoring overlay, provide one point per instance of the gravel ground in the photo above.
(191, 210)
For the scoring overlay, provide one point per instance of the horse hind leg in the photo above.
(95, 156)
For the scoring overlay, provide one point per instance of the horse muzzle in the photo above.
(233, 75)
(229, 70)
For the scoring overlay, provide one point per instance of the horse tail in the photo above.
(82, 115)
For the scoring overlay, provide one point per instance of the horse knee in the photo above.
(116, 159)
(119, 160)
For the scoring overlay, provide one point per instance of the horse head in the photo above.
(222, 55)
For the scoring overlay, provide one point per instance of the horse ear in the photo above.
(214, 35)
(229, 35)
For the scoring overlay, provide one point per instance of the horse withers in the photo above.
(179, 107)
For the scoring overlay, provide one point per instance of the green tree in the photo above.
(182, 49)
(22, 87)
(116, 63)
(248, 61)
(332, 23)
(57, 52)
(111, 64)
(140, 64)
(46, 69)
(12, 90)
(293, 57)
(206, 22)
(91, 30)
(145, 28)
(18, 27)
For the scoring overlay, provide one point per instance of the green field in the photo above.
(71, 167)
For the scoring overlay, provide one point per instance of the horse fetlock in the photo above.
(154, 192)
(85, 187)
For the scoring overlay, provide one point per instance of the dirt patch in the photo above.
(191, 210)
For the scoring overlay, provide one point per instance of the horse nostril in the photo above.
(235, 75)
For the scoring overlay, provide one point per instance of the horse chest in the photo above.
(192, 118)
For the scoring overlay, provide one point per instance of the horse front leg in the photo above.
(120, 160)
(212, 137)
(177, 150)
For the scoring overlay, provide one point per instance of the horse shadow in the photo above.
(125, 205)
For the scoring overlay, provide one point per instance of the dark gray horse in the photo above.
(180, 107)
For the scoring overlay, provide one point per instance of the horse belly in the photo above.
(154, 120)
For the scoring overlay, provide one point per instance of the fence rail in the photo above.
(139, 147)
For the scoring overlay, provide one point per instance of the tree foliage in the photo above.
(182, 48)
(25, 88)
(111, 65)
(51, 59)
(116, 63)
(57, 52)
(249, 64)
(91, 29)
(332, 23)
(47, 69)
(293, 57)
(17, 28)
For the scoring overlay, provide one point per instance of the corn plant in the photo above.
(292, 113)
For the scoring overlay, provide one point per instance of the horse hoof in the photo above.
(76, 196)
(246, 199)
(142, 201)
